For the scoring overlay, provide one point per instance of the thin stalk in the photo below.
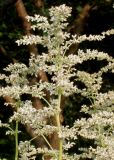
(10, 129)
(44, 139)
(16, 141)
(47, 141)
(59, 128)
(16, 134)
(46, 101)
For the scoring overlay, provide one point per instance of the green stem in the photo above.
(16, 141)
(46, 101)
(59, 128)
(47, 141)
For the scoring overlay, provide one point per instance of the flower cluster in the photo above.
(25, 115)
(99, 126)
(27, 151)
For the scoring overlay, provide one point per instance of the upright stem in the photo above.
(16, 134)
(59, 128)
(16, 141)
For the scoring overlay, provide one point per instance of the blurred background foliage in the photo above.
(88, 17)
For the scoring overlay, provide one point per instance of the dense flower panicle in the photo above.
(27, 151)
(60, 13)
(99, 127)
(92, 83)
(32, 39)
(102, 153)
(62, 68)
(105, 101)
(16, 68)
(17, 74)
(94, 54)
(16, 91)
(35, 118)
(41, 22)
